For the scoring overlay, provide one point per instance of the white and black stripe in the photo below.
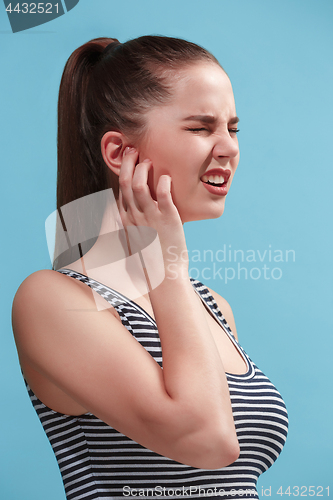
(97, 462)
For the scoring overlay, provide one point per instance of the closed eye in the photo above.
(197, 129)
(203, 129)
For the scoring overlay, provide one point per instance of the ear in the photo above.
(113, 145)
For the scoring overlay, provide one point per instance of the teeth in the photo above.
(213, 179)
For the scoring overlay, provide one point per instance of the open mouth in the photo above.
(218, 178)
(214, 180)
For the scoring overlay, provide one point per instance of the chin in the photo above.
(213, 213)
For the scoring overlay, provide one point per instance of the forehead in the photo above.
(200, 89)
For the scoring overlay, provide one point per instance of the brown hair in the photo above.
(105, 86)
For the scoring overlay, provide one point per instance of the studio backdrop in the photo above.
(269, 254)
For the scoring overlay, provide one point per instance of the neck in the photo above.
(115, 259)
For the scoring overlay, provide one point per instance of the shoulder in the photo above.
(34, 288)
(226, 310)
(43, 287)
(46, 293)
(39, 281)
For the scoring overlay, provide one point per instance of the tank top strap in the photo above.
(109, 294)
(211, 304)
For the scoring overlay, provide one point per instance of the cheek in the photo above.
(235, 162)
(182, 159)
(164, 160)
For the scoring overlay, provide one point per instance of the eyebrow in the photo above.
(209, 119)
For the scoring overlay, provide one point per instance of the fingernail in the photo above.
(146, 160)
(129, 150)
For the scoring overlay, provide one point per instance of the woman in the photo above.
(152, 121)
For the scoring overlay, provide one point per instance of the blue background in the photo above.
(278, 56)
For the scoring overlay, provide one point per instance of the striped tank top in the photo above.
(98, 462)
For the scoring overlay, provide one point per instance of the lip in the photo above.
(218, 190)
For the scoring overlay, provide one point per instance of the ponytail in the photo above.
(78, 173)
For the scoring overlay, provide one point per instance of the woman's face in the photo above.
(193, 139)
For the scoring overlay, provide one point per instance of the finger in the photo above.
(142, 195)
(122, 206)
(126, 175)
(163, 193)
(122, 210)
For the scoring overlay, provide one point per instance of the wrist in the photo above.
(175, 254)
(176, 271)
(174, 279)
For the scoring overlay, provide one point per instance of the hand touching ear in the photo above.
(138, 208)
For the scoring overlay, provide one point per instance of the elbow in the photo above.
(227, 452)
(221, 451)
(200, 441)
(211, 450)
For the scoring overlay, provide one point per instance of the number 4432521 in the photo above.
(33, 8)
(304, 491)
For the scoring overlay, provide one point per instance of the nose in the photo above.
(226, 147)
